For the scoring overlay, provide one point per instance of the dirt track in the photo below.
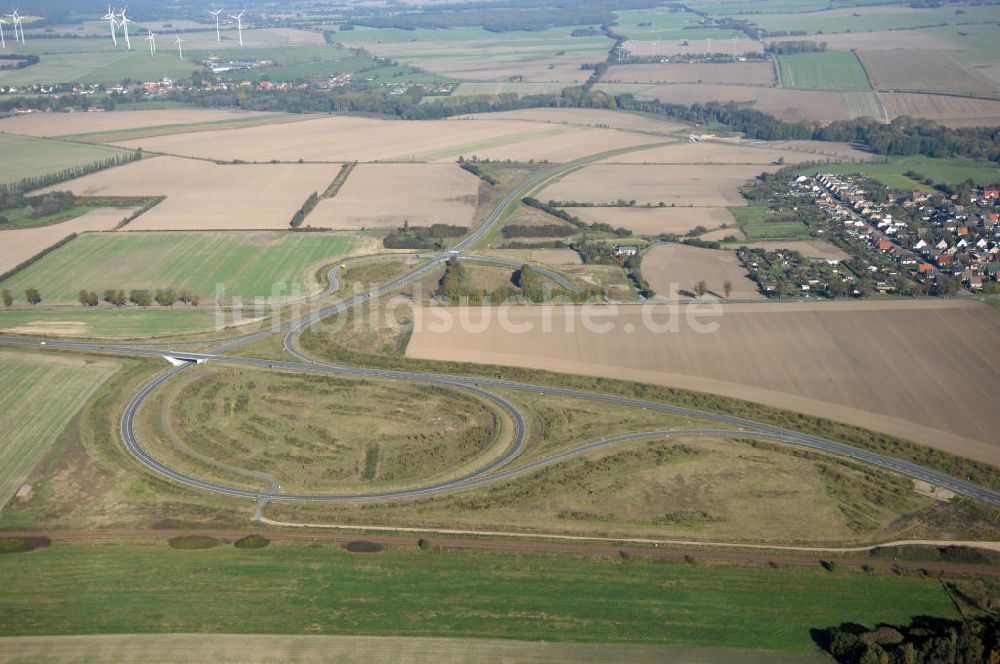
(665, 554)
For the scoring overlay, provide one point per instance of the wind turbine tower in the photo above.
(110, 18)
(733, 40)
(151, 38)
(16, 20)
(3, 40)
(218, 37)
(180, 51)
(239, 24)
(125, 20)
(708, 47)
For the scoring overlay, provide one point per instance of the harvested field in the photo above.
(197, 648)
(788, 105)
(533, 67)
(648, 48)
(924, 71)
(722, 233)
(386, 195)
(55, 387)
(586, 117)
(62, 124)
(206, 196)
(823, 151)
(852, 362)
(710, 186)
(876, 40)
(712, 152)
(248, 265)
(103, 322)
(19, 245)
(740, 73)
(653, 221)
(949, 111)
(673, 269)
(545, 256)
(339, 139)
(808, 248)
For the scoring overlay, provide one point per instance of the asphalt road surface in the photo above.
(499, 469)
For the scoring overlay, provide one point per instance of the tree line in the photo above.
(70, 173)
(926, 640)
(165, 297)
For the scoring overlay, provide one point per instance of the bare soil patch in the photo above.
(710, 186)
(19, 245)
(673, 269)
(886, 366)
(386, 195)
(922, 70)
(740, 73)
(947, 110)
(63, 124)
(653, 221)
(878, 40)
(205, 196)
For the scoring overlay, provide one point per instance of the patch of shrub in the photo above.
(23, 544)
(252, 542)
(363, 546)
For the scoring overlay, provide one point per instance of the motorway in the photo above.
(503, 466)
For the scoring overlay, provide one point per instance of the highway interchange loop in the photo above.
(500, 467)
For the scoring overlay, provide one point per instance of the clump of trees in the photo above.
(422, 237)
(303, 212)
(88, 298)
(453, 281)
(32, 296)
(8, 298)
(926, 640)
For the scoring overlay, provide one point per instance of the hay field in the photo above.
(739, 73)
(923, 71)
(386, 195)
(19, 245)
(788, 105)
(887, 366)
(247, 264)
(711, 152)
(26, 156)
(949, 111)
(673, 269)
(546, 256)
(64, 124)
(653, 221)
(587, 117)
(808, 248)
(206, 196)
(339, 139)
(709, 186)
(41, 394)
(829, 70)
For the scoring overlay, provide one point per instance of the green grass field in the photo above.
(100, 67)
(522, 89)
(40, 395)
(669, 25)
(248, 264)
(832, 70)
(110, 323)
(25, 156)
(944, 171)
(20, 217)
(100, 588)
(752, 220)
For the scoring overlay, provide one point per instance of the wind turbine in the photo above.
(216, 13)
(110, 18)
(151, 38)
(125, 20)
(3, 40)
(180, 51)
(708, 47)
(17, 25)
(239, 24)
